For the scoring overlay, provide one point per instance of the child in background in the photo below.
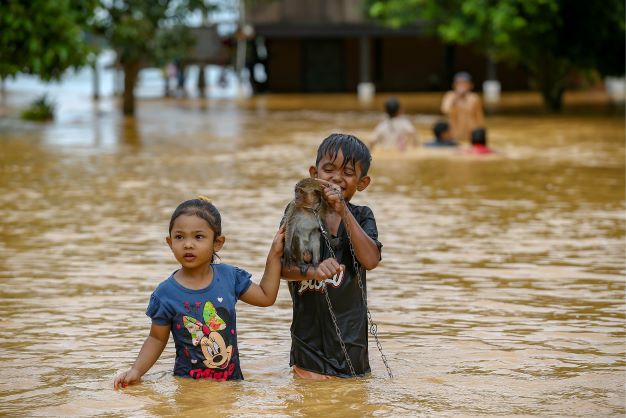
(463, 108)
(479, 143)
(443, 138)
(396, 131)
(341, 167)
(197, 302)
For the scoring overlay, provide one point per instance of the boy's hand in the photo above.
(334, 196)
(326, 269)
(127, 378)
(278, 244)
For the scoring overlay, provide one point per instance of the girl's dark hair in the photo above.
(353, 150)
(201, 208)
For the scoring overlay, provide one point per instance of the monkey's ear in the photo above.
(313, 171)
(363, 183)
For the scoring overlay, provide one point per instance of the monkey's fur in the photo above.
(302, 229)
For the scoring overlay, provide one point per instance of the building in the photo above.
(331, 46)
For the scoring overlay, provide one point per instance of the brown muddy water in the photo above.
(501, 291)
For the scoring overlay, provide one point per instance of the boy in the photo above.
(316, 353)
(396, 131)
(463, 107)
(441, 130)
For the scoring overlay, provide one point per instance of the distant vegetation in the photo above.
(41, 109)
(552, 39)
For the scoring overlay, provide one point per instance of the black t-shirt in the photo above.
(314, 342)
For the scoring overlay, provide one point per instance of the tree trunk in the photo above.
(549, 75)
(131, 71)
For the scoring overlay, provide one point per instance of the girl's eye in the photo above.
(178, 237)
(199, 236)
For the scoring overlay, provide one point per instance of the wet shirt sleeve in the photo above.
(158, 311)
(242, 281)
(366, 219)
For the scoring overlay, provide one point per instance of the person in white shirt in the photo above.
(396, 131)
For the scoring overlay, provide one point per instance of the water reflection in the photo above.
(500, 293)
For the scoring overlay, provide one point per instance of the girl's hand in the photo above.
(127, 378)
(334, 196)
(278, 244)
(327, 268)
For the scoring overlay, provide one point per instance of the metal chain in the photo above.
(330, 306)
(373, 327)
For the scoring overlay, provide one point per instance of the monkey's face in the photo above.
(307, 197)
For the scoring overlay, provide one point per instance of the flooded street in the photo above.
(501, 290)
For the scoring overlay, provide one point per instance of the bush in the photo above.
(41, 109)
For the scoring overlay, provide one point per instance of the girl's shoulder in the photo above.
(228, 269)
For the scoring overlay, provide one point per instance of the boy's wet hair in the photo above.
(392, 107)
(479, 136)
(439, 128)
(353, 149)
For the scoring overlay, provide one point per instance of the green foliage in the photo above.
(41, 109)
(43, 37)
(145, 32)
(553, 36)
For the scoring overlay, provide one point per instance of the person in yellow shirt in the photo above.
(463, 108)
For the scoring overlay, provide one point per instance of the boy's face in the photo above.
(347, 177)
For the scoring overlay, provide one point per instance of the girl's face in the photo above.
(193, 242)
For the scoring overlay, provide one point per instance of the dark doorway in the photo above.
(324, 66)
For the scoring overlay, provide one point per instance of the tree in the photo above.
(42, 37)
(145, 32)
(550, 38)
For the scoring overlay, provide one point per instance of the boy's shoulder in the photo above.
(360, 211)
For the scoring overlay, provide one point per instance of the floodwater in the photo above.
(501, 291)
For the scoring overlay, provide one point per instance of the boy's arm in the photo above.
(148, 355)
(365, 249)
(264, 293)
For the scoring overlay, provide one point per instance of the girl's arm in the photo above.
(148, 355)
(264, 293)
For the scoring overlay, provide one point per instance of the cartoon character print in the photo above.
(217, 354)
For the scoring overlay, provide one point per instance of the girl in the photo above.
(197, 302)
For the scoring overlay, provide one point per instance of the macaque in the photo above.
(302, 228)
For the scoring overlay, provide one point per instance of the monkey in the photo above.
(302, 228)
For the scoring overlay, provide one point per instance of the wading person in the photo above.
(463, 107)
(196, 304)
(396, 131)
(316, 350)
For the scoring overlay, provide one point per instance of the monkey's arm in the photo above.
(327, 268)
(365, 249)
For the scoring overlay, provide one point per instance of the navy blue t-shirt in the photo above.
(203, 322)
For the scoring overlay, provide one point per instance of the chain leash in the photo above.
(373, 327)
(327, 297)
